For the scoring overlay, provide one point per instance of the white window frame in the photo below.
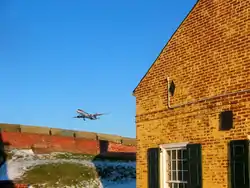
(163, 164)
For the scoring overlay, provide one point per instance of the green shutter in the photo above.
(153, 168)
(194, 159)
(239, 165)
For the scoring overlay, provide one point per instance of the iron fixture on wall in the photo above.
(226, 120)
(172, 88)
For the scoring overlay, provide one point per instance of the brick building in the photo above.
(193, 104)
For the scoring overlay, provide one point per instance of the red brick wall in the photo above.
(10, 184)
(114, 147)
(59, 143)
(20, 186)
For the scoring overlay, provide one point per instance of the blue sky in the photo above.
(57, 56)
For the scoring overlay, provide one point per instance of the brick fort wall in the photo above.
(45, 139)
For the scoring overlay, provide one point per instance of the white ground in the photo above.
(24, 159)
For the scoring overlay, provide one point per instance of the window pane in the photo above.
(179, 154)
(173, 154)
(175, 185)
(174, 175)
(175, 168)
(179, 175)
(185, 165)
(173, 165)
(180, 165)
(182, 185)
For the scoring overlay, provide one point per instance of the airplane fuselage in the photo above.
(85, 115)
(82, 114)
(88, 117)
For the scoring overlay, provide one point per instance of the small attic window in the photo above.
(172, 88)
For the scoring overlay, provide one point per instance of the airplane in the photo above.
(84, 115)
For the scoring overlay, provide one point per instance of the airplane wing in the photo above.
(80, 111)
(99, 114)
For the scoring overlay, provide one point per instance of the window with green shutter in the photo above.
(153, 168)
(179, 166)
(194, 162)
(239, 163)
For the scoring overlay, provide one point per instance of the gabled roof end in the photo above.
(165, 47)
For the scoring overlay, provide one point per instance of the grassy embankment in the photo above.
(72, 173)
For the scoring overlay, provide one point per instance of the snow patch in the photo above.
(23, 160)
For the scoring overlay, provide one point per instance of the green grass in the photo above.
(69, 174)
(59, 174)
(74, 156)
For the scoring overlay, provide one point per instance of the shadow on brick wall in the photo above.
(4, 179)
(105, 154)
